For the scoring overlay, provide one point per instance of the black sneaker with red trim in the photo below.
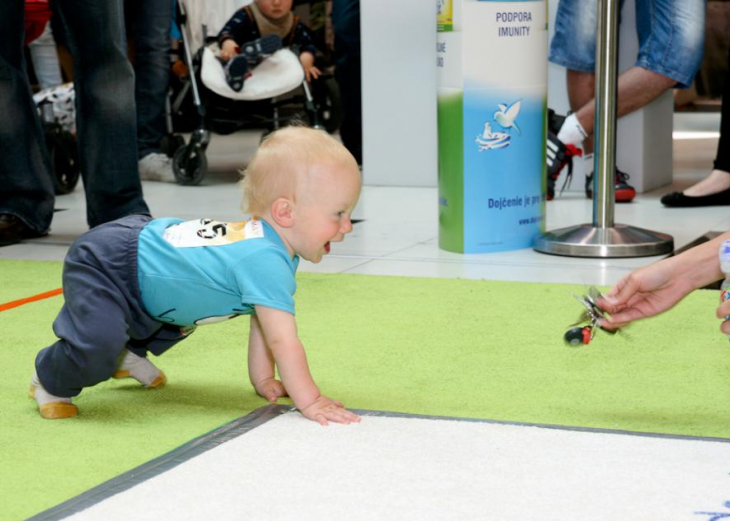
(558, 155)
(625, 193)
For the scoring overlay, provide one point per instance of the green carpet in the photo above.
(477, 349)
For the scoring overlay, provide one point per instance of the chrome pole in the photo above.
(603, 238)
(604, 138)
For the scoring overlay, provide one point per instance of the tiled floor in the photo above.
(398, 234)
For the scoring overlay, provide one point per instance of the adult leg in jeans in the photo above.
(105, 109)
(346, 22)
(651, 77)
(149, 23)
(670, 49)
(26, 193)
(637, 87)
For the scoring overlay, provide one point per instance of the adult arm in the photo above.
(660, 286)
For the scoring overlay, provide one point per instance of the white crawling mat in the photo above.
(275, 465)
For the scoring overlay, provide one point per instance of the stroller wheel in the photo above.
(63, 152)
(189, 165)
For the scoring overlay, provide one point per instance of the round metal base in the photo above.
(585, 240)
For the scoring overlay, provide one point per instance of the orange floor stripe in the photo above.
(34, 298)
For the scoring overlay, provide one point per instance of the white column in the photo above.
(399, 92)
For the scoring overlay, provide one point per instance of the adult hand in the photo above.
(644, 293)
(723, 311)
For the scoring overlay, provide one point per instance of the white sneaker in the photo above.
(156, 167)
(51, 407)
(141, 369)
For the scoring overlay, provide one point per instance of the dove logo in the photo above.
(506, 118)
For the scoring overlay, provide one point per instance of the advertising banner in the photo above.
(492, 104)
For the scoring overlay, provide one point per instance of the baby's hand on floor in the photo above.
(324, 409)
(271, 389)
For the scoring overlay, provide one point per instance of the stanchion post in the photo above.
(603, 238)
(604, 165)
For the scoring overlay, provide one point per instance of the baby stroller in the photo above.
(275, 94)
(56, 108)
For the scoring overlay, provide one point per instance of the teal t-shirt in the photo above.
(205, 271)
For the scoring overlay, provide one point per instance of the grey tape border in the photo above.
(594, 430)
(257, 418)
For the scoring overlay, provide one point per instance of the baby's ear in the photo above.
(282, 212)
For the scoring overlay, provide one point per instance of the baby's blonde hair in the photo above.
(282, 162)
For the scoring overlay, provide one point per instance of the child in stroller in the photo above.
(262, 28)
(276, 56)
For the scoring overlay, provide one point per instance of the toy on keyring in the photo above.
(583, 331)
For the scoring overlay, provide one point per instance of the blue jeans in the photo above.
(149, 23)
(671, 36)
(105, 118)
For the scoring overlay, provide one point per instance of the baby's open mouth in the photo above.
(327, 247)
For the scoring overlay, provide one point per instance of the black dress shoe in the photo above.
(679, 200)
(13, 230)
